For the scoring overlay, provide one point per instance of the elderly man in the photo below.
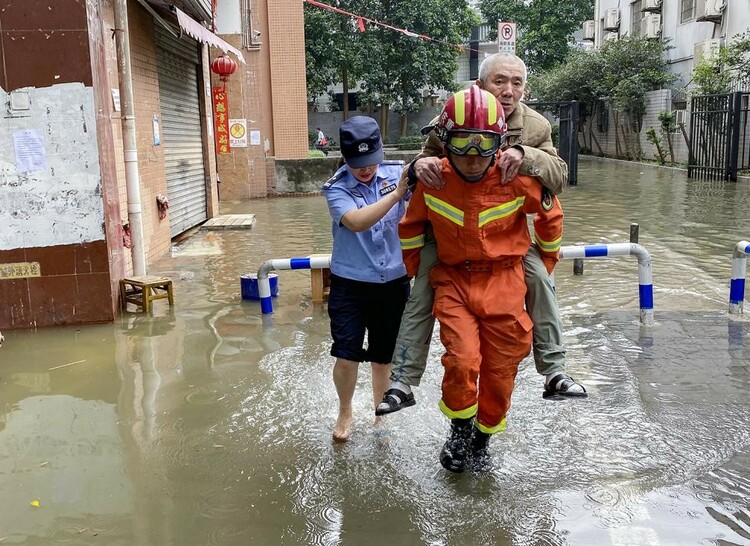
(528, 150)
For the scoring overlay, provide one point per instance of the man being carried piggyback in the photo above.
(482, 236)
(527, 150)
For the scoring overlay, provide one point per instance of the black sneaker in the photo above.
(479, 459)
(454, 452)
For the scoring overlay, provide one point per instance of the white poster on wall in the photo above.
(30, 152)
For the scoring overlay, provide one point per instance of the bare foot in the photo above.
(378, 421)
(343, 428)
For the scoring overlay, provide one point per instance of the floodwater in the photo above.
(210, 424)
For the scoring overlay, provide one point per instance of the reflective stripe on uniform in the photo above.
(444, 209)
(548, 246)
(467, 413)
(500, 211)
(412, 242)
(491, 430)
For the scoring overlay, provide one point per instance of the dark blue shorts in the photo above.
(355, 307)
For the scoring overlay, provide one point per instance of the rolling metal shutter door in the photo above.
(181, 134)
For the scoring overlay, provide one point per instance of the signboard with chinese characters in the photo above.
(20, 270)
(221, 121)
(506, 37)
(238, 133)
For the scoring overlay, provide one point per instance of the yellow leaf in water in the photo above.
(35, 503)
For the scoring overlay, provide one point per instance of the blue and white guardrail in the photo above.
(645, 275)
(264, 285)
(645, 280)
(737, 284)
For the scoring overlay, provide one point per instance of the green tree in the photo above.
(716, 74)
(399, 66)
(620, 73)
(544, 27)
(332, 46)
(391, 66)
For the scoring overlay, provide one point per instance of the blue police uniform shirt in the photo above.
(372, 255)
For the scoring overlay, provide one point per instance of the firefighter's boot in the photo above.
(454, 452)
(478, 459)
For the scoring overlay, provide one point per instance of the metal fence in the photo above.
(567, 115)
(719, 136)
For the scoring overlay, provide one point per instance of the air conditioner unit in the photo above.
(611, 36)
(588, 30)
(651, 25)
(612, 19)
(705, 49)
(680, 117)
(651, 5)
(709, 10)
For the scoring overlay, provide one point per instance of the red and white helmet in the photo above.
(467, 112)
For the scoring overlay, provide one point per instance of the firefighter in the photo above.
(482, 236)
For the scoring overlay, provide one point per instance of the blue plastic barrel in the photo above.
(249, 286)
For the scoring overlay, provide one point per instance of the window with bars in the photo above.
(636, 16)
(687, 13)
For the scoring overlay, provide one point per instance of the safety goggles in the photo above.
(468, 143)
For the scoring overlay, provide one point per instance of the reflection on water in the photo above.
(210, 423)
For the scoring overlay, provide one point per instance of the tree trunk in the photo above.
(345, 86)
(618, 148)
(594, 140)
(671, 147)
(686, 137)
(384, 121)
(626, 142)
(404, 123)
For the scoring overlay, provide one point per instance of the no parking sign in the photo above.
(506, 37)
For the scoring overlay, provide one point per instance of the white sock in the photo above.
(576, 388)
(403, 387)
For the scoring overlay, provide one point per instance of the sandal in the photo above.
(394, 400)
(560, 386)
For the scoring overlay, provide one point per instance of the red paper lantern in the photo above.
(224, 66)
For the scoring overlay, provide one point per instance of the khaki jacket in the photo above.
(531, 131)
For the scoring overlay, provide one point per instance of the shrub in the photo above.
(556, 135)
(410, 142)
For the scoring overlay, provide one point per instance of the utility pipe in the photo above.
(737, 284)
(130, 150)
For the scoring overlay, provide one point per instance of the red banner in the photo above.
(221, 120)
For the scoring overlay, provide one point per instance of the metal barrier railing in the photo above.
(645, 276)
(264, 285)
(737, 284)
(645, 280)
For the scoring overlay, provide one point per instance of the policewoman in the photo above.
(369, 286)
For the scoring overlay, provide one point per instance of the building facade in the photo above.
(694, 29)
(94, 185)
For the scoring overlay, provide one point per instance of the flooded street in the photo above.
(210, 424)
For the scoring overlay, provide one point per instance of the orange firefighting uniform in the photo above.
(482, 234)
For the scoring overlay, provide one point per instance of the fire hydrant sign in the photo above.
(506, 37)
(238, 133)
(221, 121)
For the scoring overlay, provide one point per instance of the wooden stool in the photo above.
(320, 282)
(141, 291)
